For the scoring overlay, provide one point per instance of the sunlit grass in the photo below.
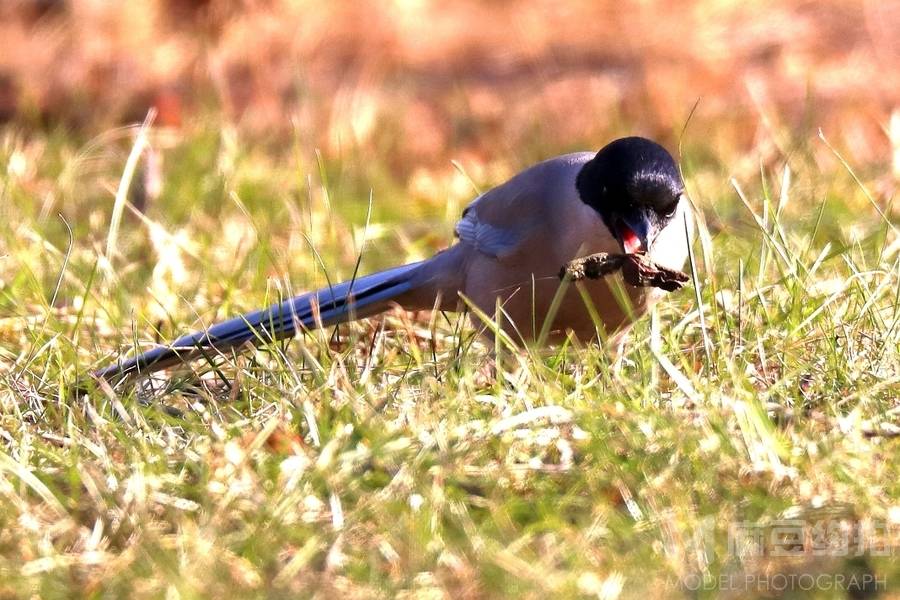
(397, 455)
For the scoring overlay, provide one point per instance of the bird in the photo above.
(629, 197)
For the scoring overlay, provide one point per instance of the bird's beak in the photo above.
(634, 233)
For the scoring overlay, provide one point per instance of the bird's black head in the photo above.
(635, 186)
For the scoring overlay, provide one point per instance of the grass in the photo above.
(385, 460)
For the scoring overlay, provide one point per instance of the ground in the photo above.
(744, 444)
(383, 458)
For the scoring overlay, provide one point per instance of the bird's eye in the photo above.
(669, 211)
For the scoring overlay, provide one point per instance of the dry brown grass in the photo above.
(423, 81)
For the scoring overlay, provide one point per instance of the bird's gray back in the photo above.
(501, 221)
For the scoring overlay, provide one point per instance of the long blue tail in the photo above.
(342, 302)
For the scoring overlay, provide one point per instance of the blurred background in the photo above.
(419, 82)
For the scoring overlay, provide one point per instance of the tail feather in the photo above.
(342, 302)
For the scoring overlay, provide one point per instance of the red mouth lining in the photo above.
(630, 241)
